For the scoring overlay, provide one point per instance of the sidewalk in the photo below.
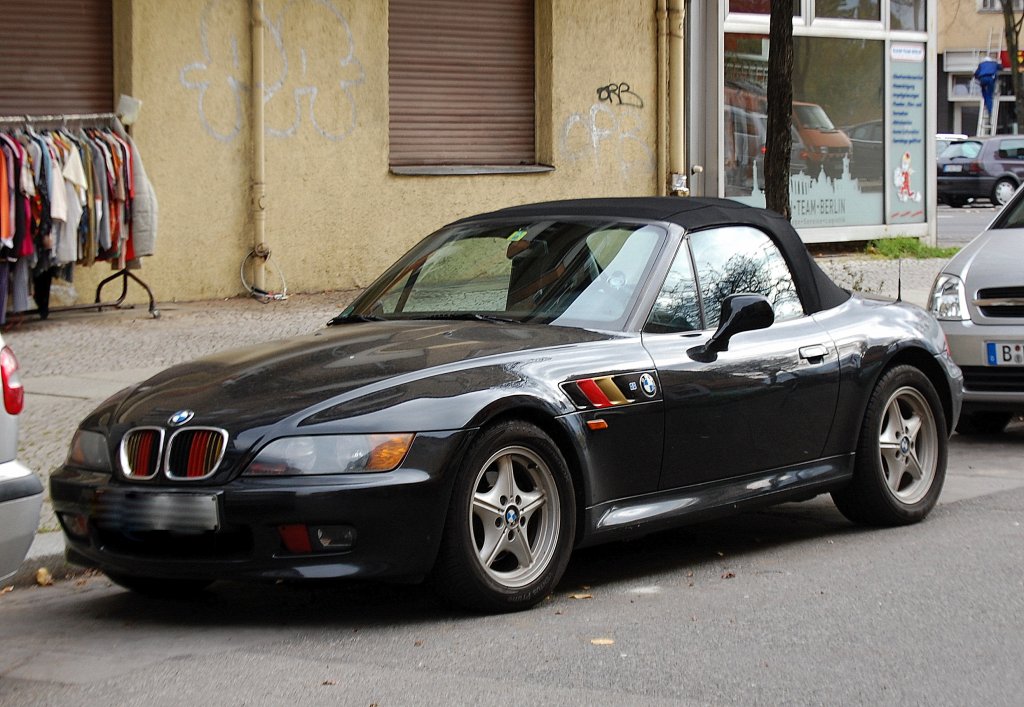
(73, 361)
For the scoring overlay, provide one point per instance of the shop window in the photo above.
(997, 6)
(848, 9)
(838, 154)
(908, 15)
(461, 83)
(758, 7)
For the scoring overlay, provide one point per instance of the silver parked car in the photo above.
(979, 300)
(21, 492)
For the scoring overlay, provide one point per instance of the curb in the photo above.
(46, 552)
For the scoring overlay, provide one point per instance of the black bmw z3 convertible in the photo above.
(521, 383)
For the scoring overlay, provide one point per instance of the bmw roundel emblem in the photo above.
(180, 418)
(648, 385)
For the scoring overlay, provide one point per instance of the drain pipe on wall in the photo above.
(676, 97)
(260, 253)
(662, 18)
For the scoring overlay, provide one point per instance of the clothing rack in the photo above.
(124, 274)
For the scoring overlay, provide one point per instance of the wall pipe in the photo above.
(662, 18)
(260, 251)
(677, 96)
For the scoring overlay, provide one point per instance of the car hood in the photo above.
(992, 260)
(269, 382)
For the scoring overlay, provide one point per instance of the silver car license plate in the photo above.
(953, 168)
(1004, 353)
(142, 511)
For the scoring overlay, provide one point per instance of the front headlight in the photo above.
(949, 299)
(331, 454)
(89, 451)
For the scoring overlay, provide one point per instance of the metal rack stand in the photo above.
(124, 273)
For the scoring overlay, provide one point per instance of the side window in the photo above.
(742, 259)
(1012, 149)
(677, 307)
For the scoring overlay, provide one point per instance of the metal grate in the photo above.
(140, 452)
(997, 302)
(195, 453)
(993, 379)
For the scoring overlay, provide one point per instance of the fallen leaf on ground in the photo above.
(602, 641)
(581, 595)
(7, 590)
(728, 575)
(417, 643)
(329, 682)
(43, 577)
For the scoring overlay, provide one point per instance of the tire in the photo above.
(900, 463)
(163, 588)
(982, 423)
(1003, 190)
(511, 522)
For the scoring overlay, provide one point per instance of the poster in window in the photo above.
(907, 173)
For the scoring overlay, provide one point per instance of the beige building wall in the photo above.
(961, 26)
(336, 215)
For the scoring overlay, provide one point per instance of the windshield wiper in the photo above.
(349, 318)
(473, 317)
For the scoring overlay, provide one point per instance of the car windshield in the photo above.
(570, 273)
(813, 117)
(968, 149)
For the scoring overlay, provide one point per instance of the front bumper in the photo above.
(21, 495)
(986, 387)
(163, 530)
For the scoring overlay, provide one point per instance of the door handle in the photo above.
(815, 353)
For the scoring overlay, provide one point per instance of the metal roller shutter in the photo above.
(461, 76)
(56, 57)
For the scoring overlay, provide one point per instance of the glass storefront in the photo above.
(860, 107)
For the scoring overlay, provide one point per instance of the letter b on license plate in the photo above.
(999, 353)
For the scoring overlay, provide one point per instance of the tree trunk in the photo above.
(778, 139)
(1011, 25)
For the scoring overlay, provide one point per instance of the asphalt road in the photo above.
(789, 606)
(957, 227)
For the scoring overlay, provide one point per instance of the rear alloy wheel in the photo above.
(982, 423)
(162, 588)
(901, 456)
(1003, 191)
(511, 522)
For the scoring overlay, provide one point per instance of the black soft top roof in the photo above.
(817, 291)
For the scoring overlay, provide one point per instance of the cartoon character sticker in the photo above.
(901, 180)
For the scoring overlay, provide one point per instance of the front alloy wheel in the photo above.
(907, 445)
(900, 464)
(510, 524)
(513, 521)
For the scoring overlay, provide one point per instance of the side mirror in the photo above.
(743, 312)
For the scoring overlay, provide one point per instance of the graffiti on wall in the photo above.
(305, 84)
(619, 94)
(610, 133)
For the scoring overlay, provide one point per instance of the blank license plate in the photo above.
(953, 168)
(137, 511)
(1001, 353)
